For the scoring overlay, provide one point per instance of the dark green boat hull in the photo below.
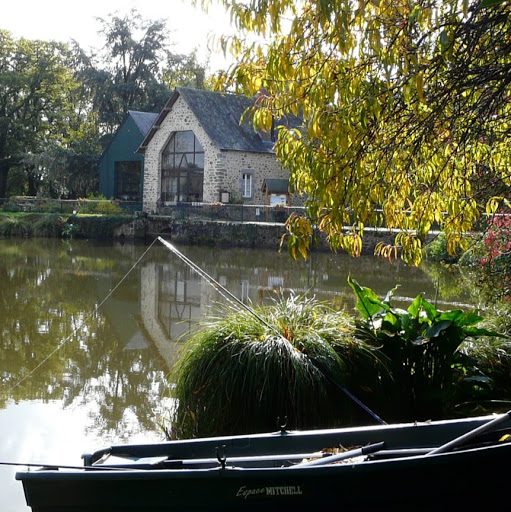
(468, 479)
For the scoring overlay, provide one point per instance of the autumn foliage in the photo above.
(403, 103)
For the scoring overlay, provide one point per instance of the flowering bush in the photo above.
(495, 258)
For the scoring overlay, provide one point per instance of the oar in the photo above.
(357, 452)
(56, 467)
(470, 435)
(250, 458)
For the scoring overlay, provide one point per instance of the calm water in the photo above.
(79, 372)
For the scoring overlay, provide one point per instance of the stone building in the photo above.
(198, 152)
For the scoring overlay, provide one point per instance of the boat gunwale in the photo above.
(167, 473)
(121, 449)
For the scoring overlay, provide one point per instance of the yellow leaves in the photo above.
(262, 118)
(352, 244)
(493, 205)
(419, 83)
(300, 235)
(314, 130)
(387, 251)
(255, 84)
(411, 248)
(415, 15)
(453, 242)
(368, 78)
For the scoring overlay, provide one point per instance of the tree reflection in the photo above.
(49, 291)
(113, 361)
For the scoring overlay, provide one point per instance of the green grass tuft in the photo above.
(16, 226)
(236, 375)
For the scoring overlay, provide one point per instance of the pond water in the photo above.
(90, 330)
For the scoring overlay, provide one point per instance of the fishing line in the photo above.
(226, 293)
(76, 329)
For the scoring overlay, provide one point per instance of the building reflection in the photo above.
(119, 357)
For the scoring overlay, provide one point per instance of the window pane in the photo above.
(184, 142)
(183, 161)
(199, 160)
(183, 168)
(247, 185)
(168, 161)
(128, 180)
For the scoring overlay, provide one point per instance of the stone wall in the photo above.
(259, 165)
(236, 234)
(180, 119)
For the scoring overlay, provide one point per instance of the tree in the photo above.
(36, 85)
(136, 70)
(134, 52)
(185, 71)
(405, 104)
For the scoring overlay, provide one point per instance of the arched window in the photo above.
(182, 170)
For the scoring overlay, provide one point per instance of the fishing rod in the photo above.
(222, 289)
(63, 466)
(231, 297)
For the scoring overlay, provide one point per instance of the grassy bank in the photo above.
(55, 225)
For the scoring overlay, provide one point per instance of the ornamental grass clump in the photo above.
(237, 375)
(50, 225)
(16, 226)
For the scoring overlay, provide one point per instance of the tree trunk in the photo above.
(31, 182)
(4, 171)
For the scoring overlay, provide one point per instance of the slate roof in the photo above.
(144, 120)
(219, 114)
(276, 185)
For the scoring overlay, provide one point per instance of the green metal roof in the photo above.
(276, 186)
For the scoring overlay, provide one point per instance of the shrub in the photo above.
(11, 207)
(99, 205)
(495, 260)
(437, 250)
(421, 348)
(490, 260)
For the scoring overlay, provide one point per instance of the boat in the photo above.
(456, 463)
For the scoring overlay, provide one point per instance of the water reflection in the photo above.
(107, 366)
(117, 353)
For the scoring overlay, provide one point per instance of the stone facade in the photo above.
(223, 169)
(259, 165)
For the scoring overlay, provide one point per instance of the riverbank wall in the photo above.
(211, 232)
(240, 234)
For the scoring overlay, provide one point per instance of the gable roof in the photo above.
(275, 186)
(143, 121)
(219, 115)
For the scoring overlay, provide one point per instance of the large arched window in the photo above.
(182, 169)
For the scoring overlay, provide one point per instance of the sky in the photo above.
(61, 20)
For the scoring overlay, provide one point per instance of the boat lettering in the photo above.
(280, 490)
